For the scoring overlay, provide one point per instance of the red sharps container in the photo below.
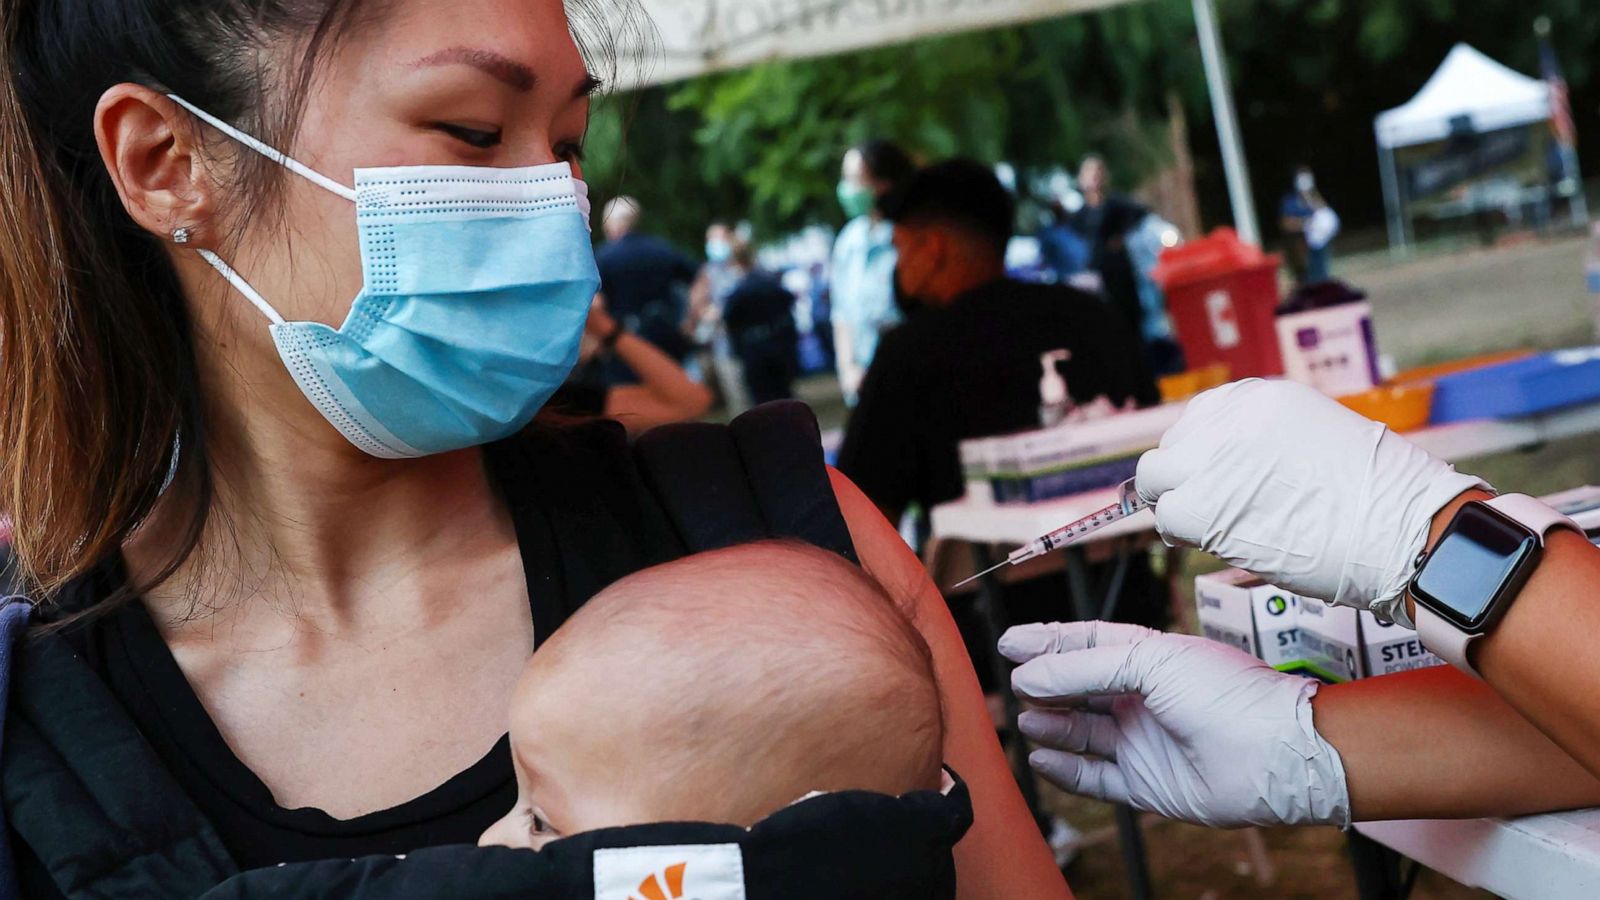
(1223, 297)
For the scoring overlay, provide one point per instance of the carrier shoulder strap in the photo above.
(15, 611)
(763, 476)
(84, 790)
(850, 845)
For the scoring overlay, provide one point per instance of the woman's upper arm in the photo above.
(1004, 855)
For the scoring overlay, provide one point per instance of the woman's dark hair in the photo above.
(887, 162)
(100, 397)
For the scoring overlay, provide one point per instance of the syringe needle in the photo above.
(981, 574)
(1128, 503)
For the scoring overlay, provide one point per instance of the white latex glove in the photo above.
(1279, 480)
(1177, 725)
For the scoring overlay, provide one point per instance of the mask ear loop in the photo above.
(277, 156)
(282, 159)
(243, 287)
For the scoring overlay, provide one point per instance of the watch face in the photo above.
(1482, 557)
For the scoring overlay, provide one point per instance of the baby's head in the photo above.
(721, 688)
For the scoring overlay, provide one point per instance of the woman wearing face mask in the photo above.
(285, 532)
(861, 275)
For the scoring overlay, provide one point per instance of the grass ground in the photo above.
(1427, 310)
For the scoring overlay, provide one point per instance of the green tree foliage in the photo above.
(779, 129)
(765, 143)
(768, 140)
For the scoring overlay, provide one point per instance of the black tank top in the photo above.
(581, 523)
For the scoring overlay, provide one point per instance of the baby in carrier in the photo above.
(758, 722)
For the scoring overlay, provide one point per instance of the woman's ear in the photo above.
(149, 144)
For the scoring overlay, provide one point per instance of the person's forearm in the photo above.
(1527, 739)
(666, 393)
(1540, 656)
(1439, 744)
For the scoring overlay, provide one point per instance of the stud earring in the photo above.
(180, 235)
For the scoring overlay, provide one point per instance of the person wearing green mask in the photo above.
(864, 259)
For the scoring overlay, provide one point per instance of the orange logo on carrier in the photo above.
(664, 885)
(677, 872)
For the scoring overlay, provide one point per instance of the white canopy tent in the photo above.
(1468, 88)
(1468, 85)
(696, 37)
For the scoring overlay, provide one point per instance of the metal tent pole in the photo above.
(1391, 199)
(1580, 200)
(1233, 159)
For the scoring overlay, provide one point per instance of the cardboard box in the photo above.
(1066, 459)
(1387, 649)
(1240, 610)
(1334, 644)
(1331, 349)
(1330, 639)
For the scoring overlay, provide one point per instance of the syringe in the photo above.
(1128, 503)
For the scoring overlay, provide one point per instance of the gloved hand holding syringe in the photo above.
(1128, 503)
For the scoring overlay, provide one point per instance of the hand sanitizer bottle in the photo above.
(1055, 403)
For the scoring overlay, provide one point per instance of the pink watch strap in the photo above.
(1440, 635)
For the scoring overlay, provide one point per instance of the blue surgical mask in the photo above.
(718, 251)
(478, 283)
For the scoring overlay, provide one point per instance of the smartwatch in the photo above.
(1476, 569)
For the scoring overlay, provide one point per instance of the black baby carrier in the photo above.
(94, 804)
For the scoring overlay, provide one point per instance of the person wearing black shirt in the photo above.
(1104, 221)
(646, 281)
(967, 366)
(759, 313)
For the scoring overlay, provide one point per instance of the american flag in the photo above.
(1566, 128)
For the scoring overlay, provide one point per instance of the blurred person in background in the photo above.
(717, 276)
(706, 299)
(1104, 221)
(1146, 243)
(1063, 249)
(664, 393)
(967, 365)
(1309, 227)
(862, 296)
(759, 315)
(646, 282)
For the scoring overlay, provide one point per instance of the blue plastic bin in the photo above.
(1521, 388)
